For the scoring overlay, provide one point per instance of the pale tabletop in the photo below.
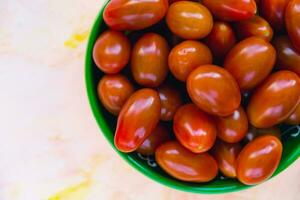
(51, 147)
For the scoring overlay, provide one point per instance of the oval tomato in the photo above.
(292, 22)
(294, 118)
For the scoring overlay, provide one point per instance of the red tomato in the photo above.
(233, 128)
(255, 26)
(221, 39)
(194, 129)
(292, 22)
(226, 155)
(273, 11)
(187, 56)
(189, 20)
(256, 132)
(250, 62)
(214, 90)
(170, 101)
(113, 91)
(185, 165)
(274, 100)
(258, 160)
(134, 15)
(159, 136)
(111, 52)
(294, 118)
(149, 61)
(287, 57)
(137, 120)
(231, 10)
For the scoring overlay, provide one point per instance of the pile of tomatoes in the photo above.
(239, 64)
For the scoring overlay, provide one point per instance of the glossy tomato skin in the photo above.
(137, 119)
(294, 118)
(189, 121)
(255, 26)
(292, 22)
(273, 11)
(258, 160)
(187, 56)
(149, 60)
(231, 10)
(256, 132)
(274, 100)
(134, 15)
(111, 52)
(159, 136)
(184, 165)
(170, 98)
(234, 127)
(287, 57)
(250, 62)
(221, 39)
(113, 91)
(214, 90)
(189, 20)
(226, 155)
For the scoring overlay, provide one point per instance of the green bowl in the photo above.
(147, 166)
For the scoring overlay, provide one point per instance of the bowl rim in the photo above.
(105, 130)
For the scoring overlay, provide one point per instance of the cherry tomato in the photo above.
(250, 62)
(287, 57)
(113, 91)
(149, 61)
(226, 155)
(170, 101)
(256, 132)
(258, 160)
(185, 165)
(159, 136)
(134, 15)
(231, 10)
(274, 100)
(194, 129)
(221, 39)
(255, 26)
(111, 52)
(189, 20)
(292, 22)
(294, 118)
(233, 128)
(273, 11)
(214, 90)
(137, 119)
(187, 56)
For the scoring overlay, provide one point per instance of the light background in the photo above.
(51, 147)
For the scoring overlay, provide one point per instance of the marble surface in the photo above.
(51, 147)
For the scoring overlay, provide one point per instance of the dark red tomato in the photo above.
(111, 52)
(274, 100)
(250, 62)
(234, 127)
(194, 129)
(231, 10)
(137, 119)
(258, 160)
(214, 90)
(292, 22)
(226, 155)
(134, 15)
(185, 165)
(113, 91)
(256, 132)
(149, 61)
(273, 11)
(255, 26)
(221, 39)
(287, 57)
(189, 20)
(187, 56)
(159, 136)
(170, 98)
(294, 118)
